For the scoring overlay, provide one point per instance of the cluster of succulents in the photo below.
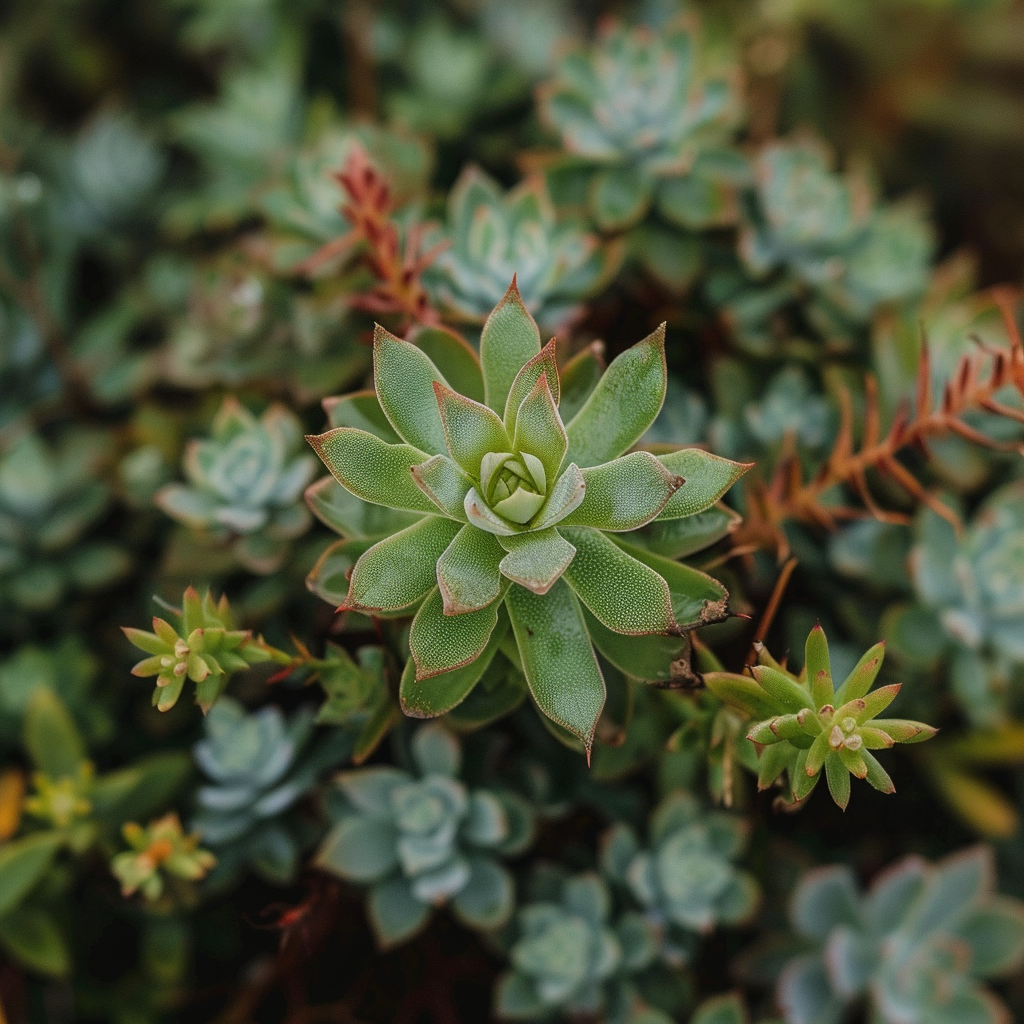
(157, 852)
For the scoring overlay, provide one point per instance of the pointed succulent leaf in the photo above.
(902, 730)
(539, 430)
(510, 339)
(624, 404)
(362, 411)
(789, 693)
(471, 429)
(404, 378)
(741, 693)
(578, 379)
(454, 357)
(623, 593)
(863, 676)
(567, 494)
(876, 702)
(818, 667)
(480, 516)
(838, 778)
(624, 494)
(707, 477)
(444, 484)
(468, 573)
(536, 559)
(360, 848)
(818, 752)
(440, 643)
(398, 572)
(876, 775)
(487, 900)
(371, 469)
(543, 364)
(395, 912)
(654, 658)
(558, 660)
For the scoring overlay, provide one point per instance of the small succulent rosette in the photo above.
(423, 839)
(159, 852)
(517, 541)
(685, 880)
(573, 956)
(245, 484)
(918, 945)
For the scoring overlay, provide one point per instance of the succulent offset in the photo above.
(426, 839)
(918, 945)
(806, 724)
(159, 851)
(520, 518)
(245, 484)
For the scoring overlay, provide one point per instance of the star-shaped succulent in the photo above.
(519, 541)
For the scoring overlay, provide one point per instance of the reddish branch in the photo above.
(978, 378)
(396, 263)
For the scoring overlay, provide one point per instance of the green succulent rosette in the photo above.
(514, 536)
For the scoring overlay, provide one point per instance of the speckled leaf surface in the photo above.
(467, 572)
(509, 340)
(536, 559)
(471, 429)
(707, 478)
(440, 643)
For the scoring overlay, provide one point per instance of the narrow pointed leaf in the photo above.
(817, 754)
(790, 694)
(340, 510)
(362, 411)
(818, 667)
(623, 593)
(440, 643)
(400, 571)
(624, 404)
(854, 761)
(536, 559)
(578, 379)
(509, 340)
(444, 484)
(877, 701)
(655, 658)
(542, 364)
(742, 693)
(570, 489)
(454, 357)
(624, 494)
(863, 676)
(707, 477)
(467, 572)
(904, 731)
(538, 429)
(404, 378)
(558, 659)
(372, 469)
(471, 429)
(838, 780)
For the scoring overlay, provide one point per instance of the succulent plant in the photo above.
(805, 723)
(509, 501)
(642, 114)
(571, 957)
(425, 839)
(203, 646)
(258, 765)
(686, 879)
(49, 499)
(245, 484)
(495, 235)
(159, 851)
(917, 945)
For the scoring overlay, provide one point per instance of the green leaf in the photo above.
(543, 364)
(537, 559)
(468, 573)
(32, 937)
(362, 411)
(818, 667)
(51, 736)
(727, 1009)
(678, 538)
(578, 379)
(454, 357)
(510, 339)
(371, 469)
(395, 913)
(741, 693)
(360, 848)
(876, 702)
(619, 197)
(441, 643)
(23, 862)
(483, 518)
(439, 694)
(501, 689)
(838, 780)
(471, 429)
(653, 658)
(404, 378)
(444, 484)
(539, 430)
(341, 511)
(329, 578)
(401, 570)
(623, 593)
(488, 898)
(558, 660)
(624, 404)
(863, 676)
(789, 693)
(570, 489)
(707, 478)
(624, 494)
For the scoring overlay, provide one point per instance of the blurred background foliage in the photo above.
(803, 189)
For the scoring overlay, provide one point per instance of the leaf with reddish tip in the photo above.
(471, 429)
(444, 484)
(819, 667)
(624, 404)
(741, 693)
(838, 780)
(510, 339)
(557, 657)
(400, 571)
(542, 364)
(863, 676)
(404, 378)
(707, 478)
(538, 429)
(441, 643)
(624, 494)
(789, 694)
(569, 490)
(467, 572)
(903, 730)
(623, 593)
(372, 469)
(877, 701)
(536, 559)
(454, 357)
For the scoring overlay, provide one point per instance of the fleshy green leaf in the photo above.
(863, 676)
(544, 363)
(789, 693)
(371, 469)
(539, 430)
(471, 429)
(624, 404)
(404, 378)
(341, 511)
(468, 573)
(362, 411)
(741, 693)
(838, 779)
(395, 913)
(510, 339)
(579, 377)
(441, 643)
(558, 659)
(360, 848)
(569, 490)
(483, 518)
(444, 484)
(678, 538)
(488, 898)
(624, 494)
(537, 559)
(623, 593)
(454, 357)
(619, 197)
(51, 736)
(707, 478)
(818, 667)
(653, 658)
(23, 862)
(401, 570)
